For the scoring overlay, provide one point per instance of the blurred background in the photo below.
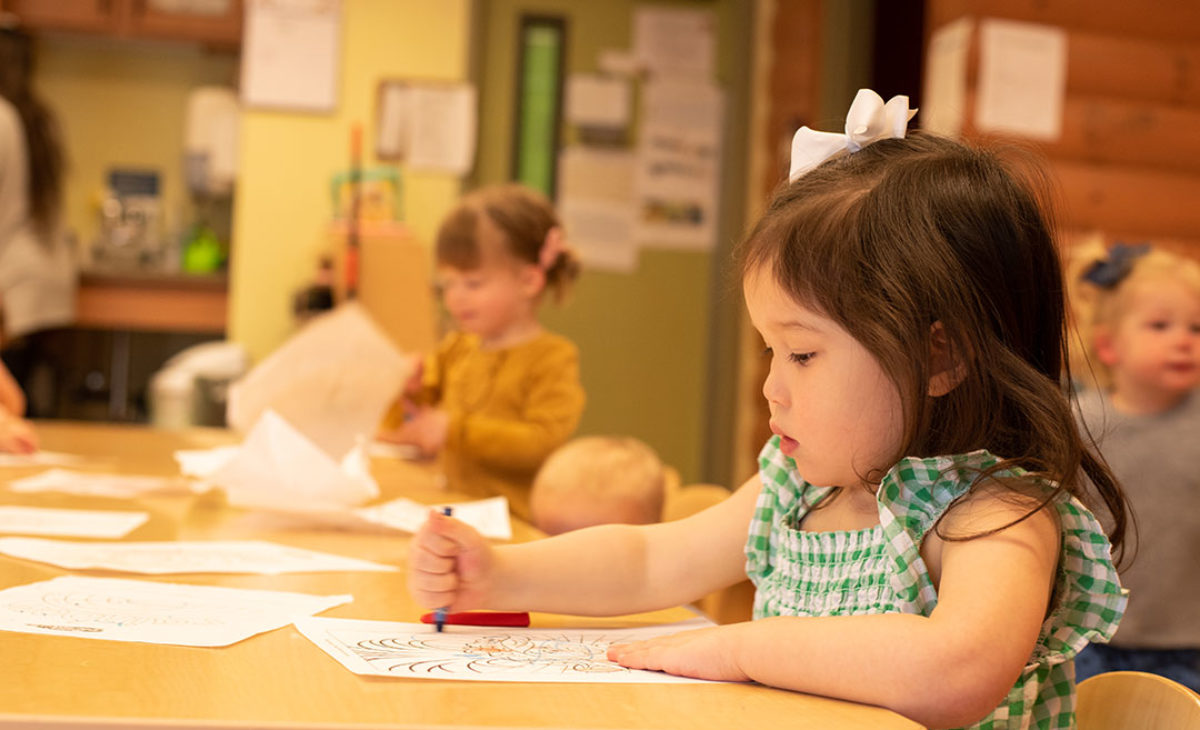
(221, 153)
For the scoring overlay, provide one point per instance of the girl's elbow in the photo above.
(955, 698)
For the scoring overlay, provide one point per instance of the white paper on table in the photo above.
(122, 486)
(387, 450)
(68, 522)
(200, 463)
(40, 458)
(332, 381)
(158, 613)
(392, 649)
(1022, 78)
(489, 516)
(160, 558)
(278, 469)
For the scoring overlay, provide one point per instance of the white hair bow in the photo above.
(868, 120)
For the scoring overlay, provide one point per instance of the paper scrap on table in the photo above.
(160, 558)
(68, 522)
(489, 516)
(388, 450)
(199, 463)
(392, 649)
(277, 468)
(332, 381)
(158, 613)
(97, 485)
(40, 458)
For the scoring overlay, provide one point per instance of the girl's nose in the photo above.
(772, 389)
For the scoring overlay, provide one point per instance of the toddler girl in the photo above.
(914, 532)
(500, 393)
(1140, 312)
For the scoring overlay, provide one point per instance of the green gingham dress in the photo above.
(879, 570)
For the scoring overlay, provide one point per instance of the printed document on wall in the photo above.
(596, 202)
(290, 54)
(1022, 79)
(678, 165)
(674, 41)
(945, 100)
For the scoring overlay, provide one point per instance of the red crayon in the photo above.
(481, 618)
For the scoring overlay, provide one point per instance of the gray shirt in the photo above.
(1155, 459)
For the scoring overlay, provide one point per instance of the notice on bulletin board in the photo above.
(677, 180)
(291, 53)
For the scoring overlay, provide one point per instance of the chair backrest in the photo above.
(1136, 701)
(685, 501)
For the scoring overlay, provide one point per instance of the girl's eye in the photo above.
(802, 358)
(1158, 324)
(768, 352)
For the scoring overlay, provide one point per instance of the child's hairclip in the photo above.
(868, 120)
(1107, 273)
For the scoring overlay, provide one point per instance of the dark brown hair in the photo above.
(908, 232)
(523, 217)
(45, 156)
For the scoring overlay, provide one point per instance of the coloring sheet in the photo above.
(231, 556)
(68, 522)
(39, 458)
(489, 516)
(156, 613)
(122, 486)
(390, 649)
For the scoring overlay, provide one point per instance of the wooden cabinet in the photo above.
(209, 21)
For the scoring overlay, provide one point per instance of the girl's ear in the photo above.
(946, 367)
(1105, 348)
(533, 280)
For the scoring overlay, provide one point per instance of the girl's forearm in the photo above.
(907, 663)
(594, 572)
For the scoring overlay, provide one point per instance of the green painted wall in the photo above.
(658, 345)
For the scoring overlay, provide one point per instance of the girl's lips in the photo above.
(787, 445)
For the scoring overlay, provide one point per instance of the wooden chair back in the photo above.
(1135, 701)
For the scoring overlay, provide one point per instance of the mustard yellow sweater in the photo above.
(508, 409)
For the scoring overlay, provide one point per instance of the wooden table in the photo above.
(280, 679)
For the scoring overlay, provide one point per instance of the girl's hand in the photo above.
(426, 429)
(17, 435)
(450, 565)
(701, 653)
(413, 385)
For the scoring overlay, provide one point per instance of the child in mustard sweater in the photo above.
(500, 393)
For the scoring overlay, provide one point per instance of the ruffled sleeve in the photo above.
(913, 495)
(1091, 599)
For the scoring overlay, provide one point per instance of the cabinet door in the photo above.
(211, 21)
(91, 16)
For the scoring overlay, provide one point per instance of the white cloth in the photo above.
(37, 278)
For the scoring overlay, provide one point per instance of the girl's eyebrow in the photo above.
(795, 324)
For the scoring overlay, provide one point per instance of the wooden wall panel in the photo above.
(1165, 20)
(1123, 132)
(1127, 162)
(1147, 203)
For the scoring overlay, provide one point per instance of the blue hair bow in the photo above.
(1107, 273)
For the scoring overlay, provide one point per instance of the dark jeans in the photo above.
(1181, 665)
